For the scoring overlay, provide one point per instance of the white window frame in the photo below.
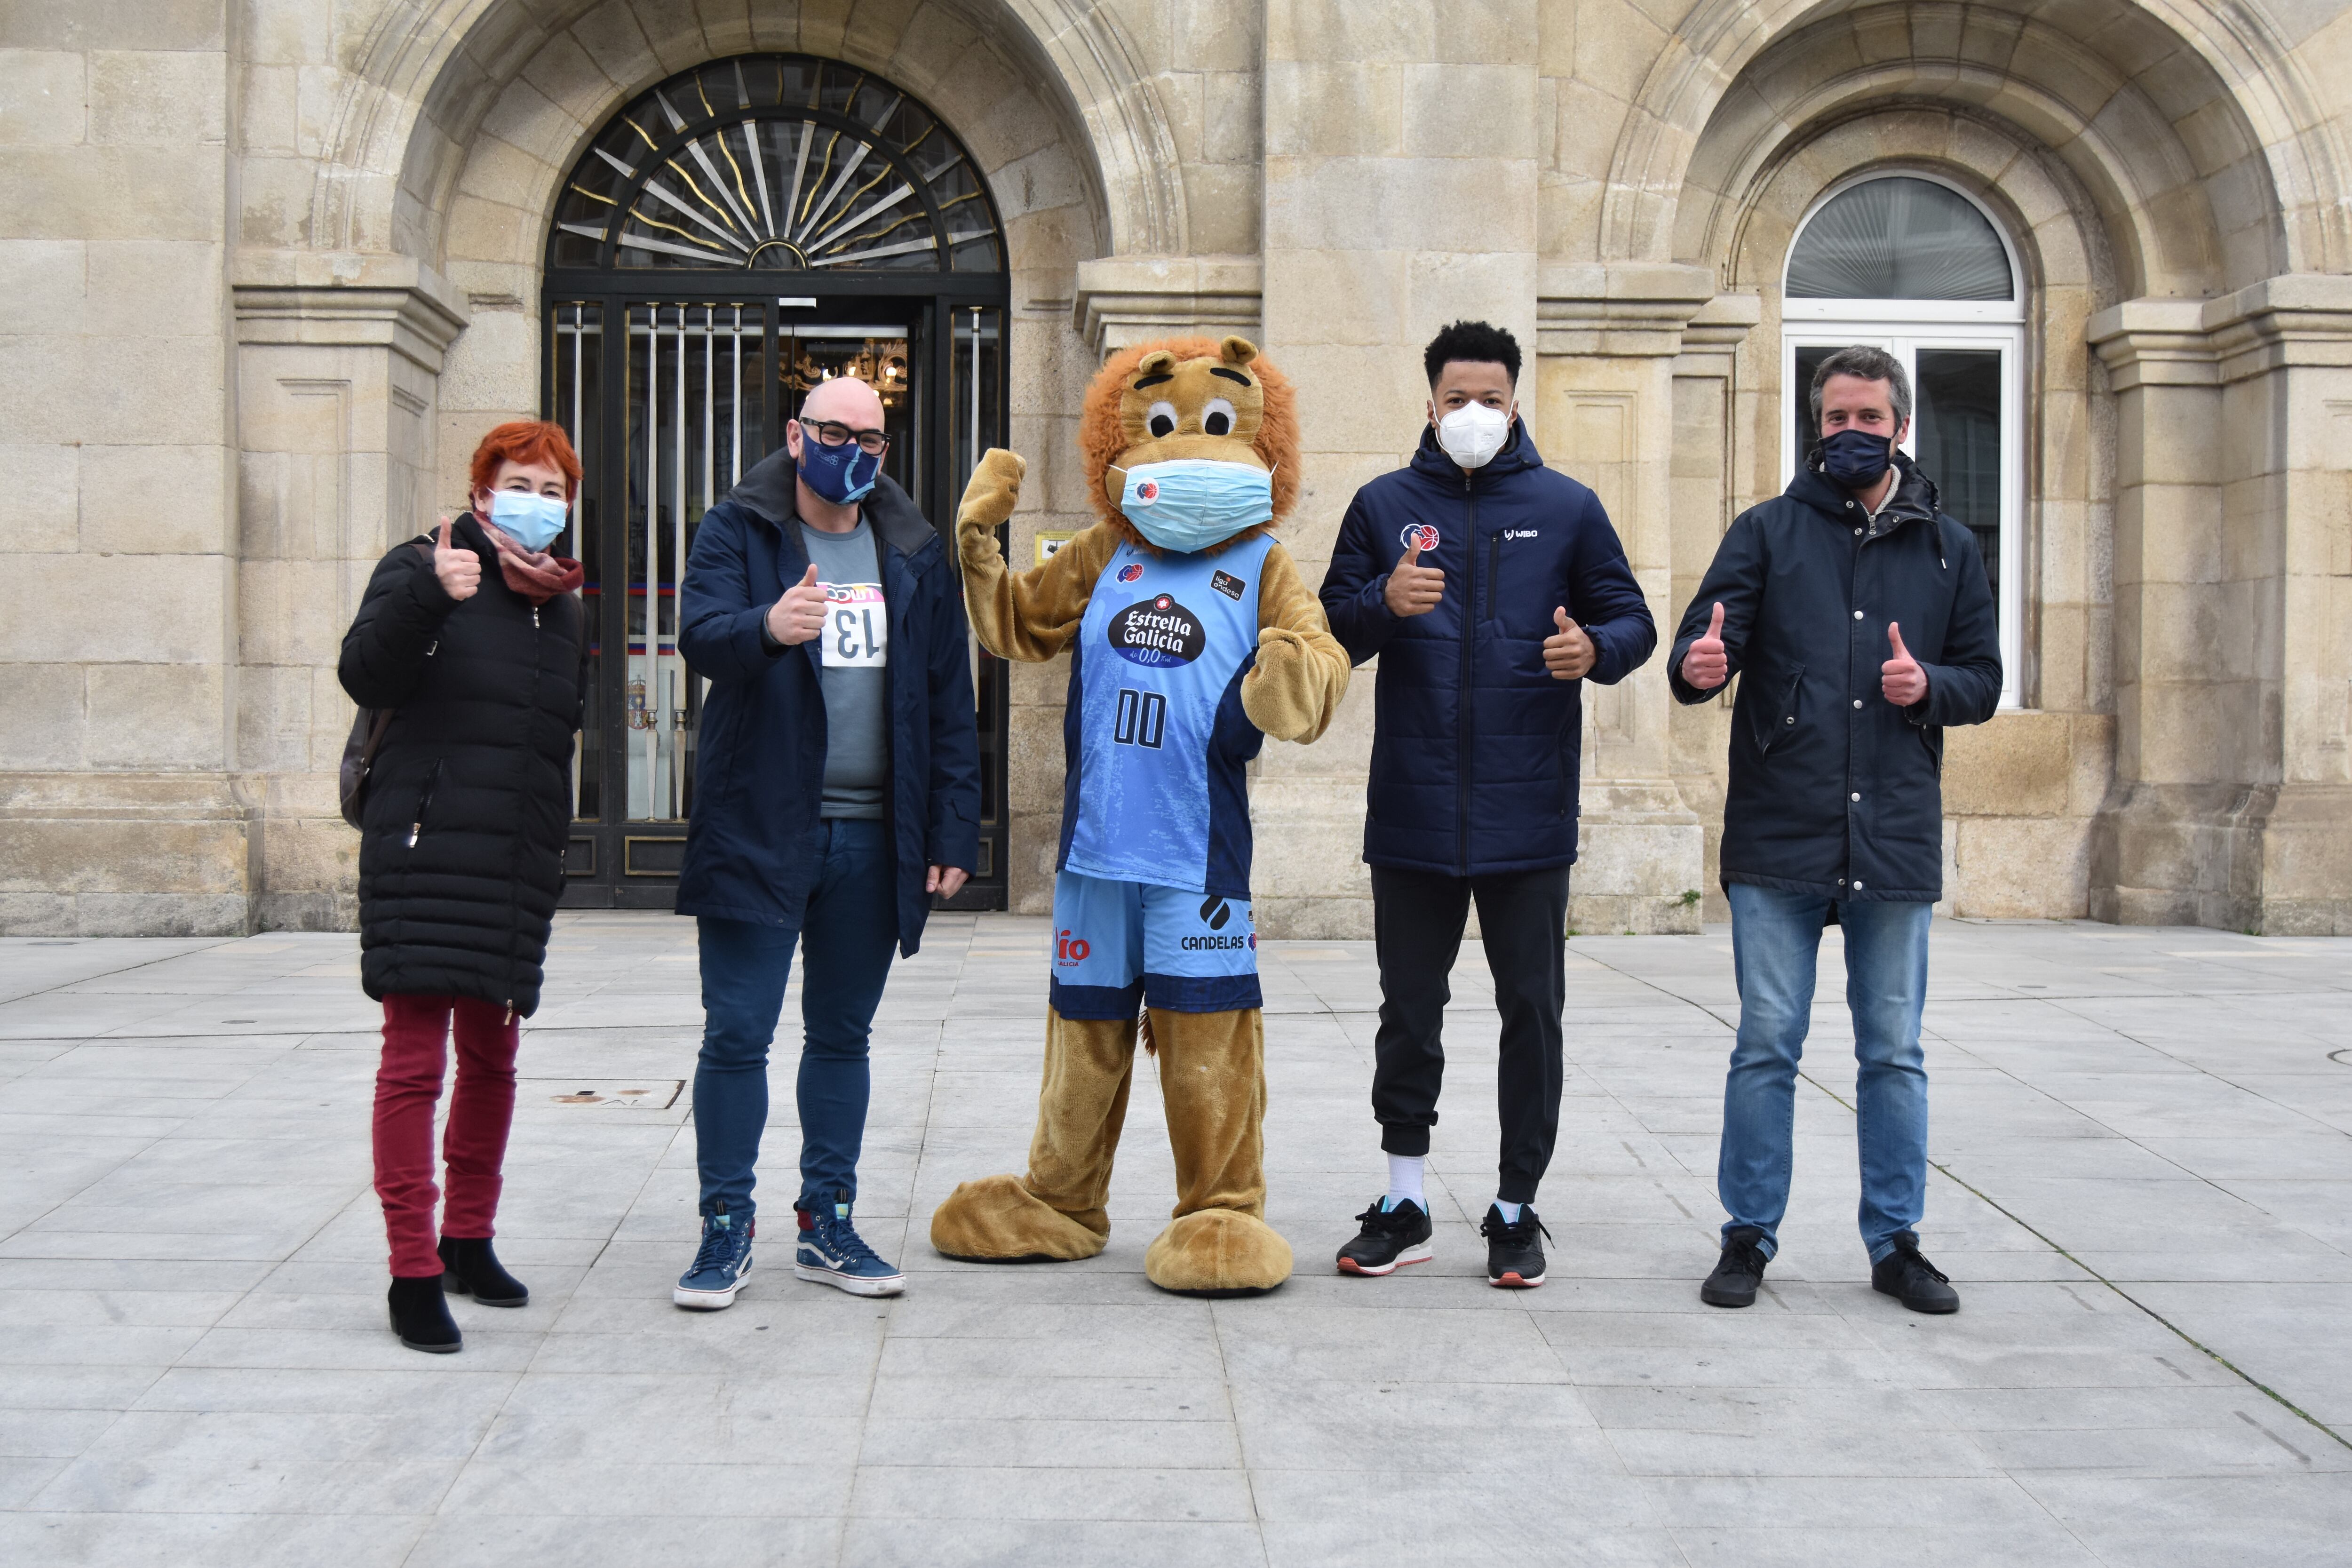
(1903, 328)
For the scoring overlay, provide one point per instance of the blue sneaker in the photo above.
(719, 1267)
(833, 1253)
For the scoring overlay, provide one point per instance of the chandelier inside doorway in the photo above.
(776, 162)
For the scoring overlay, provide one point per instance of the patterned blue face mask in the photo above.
(840, 474)
(533, 521)
(1191, 503)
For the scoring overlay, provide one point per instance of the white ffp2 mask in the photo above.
(1473, 434)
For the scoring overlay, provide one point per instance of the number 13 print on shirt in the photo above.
(856, 626)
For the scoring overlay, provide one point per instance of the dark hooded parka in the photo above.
(1834, 790)
(469, 802)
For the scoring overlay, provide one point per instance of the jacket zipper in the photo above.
(1493, 573)
(423, 804)
(1468, 731)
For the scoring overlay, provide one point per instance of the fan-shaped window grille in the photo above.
(1899, 238)
(777, 162)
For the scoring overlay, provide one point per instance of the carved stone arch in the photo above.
(432, 73)
(2185, 60)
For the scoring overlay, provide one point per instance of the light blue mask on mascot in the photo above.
(1191, 503)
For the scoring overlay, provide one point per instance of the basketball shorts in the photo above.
(1120, 946)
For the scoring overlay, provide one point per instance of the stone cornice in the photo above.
(2297, 319)
(1622, 310)
(343, 300)
(1124, 299)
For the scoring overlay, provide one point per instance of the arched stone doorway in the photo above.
(729, 238)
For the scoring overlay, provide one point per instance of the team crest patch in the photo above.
(1418, 535)
(1228, 585)
(1156, 632)
(1131, 573)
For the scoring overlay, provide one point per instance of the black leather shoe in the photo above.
(1739, 1272)
(473, 1269)
(1913, 1280)
(1515, 1258)
(420, 1316)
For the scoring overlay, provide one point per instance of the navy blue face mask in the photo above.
(1857, 459)
(840, 474)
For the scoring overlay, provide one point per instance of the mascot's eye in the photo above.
(1160, 419)
(1217, 418)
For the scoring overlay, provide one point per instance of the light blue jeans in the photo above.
(1776, 939)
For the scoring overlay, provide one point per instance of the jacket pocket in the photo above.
(423, 803)
(1932, 737)
(1775, 719)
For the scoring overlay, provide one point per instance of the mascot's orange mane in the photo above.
(1107, 436)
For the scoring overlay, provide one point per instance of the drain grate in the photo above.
(603, 1094)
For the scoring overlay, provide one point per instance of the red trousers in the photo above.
(474, 1146)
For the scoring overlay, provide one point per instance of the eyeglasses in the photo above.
(832, 433)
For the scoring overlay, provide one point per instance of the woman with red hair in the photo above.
(474, 638)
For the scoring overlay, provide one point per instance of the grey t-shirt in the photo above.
(852, 663)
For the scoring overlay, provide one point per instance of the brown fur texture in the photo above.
(1109, 434)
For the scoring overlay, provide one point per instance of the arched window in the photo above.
(782, 163)
(1914, 266)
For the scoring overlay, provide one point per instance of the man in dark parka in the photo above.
(1862, 621)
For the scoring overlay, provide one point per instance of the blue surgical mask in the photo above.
(533, 521)
(1191, 503)
(840, 474)
(1857, 459)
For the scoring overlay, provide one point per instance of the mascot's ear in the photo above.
(1237, 350)
(1159, 362)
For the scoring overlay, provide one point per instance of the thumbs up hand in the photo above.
(1900, 678)
(457, 567)
(799, 615)
(1707, 666)
(1567, 653)
(1413, 589)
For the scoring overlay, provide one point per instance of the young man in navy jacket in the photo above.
(1492, 588)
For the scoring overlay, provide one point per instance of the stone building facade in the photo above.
(272, 266)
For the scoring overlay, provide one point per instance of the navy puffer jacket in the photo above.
(1834, 790)
(1474, 745)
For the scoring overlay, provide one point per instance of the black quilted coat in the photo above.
(470, 805)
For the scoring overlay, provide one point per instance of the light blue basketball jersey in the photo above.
(1156, 737)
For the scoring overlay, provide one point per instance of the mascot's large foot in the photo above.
(1218, 1252)
(996, 1220)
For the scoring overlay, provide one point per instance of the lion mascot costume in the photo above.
(1192, 639)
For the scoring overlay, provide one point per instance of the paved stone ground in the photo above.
(2140, 1136)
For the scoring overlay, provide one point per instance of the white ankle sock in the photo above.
(1404, 1182)
(1510, 1212)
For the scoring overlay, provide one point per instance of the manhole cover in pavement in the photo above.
(604, 1094)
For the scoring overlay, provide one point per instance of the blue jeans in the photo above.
(847, 935)
(1776, 939)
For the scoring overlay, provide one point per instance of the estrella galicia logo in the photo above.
(1157, 632)
(1131, 573)
(1418, 535)
(1217, 915)
(1228, 585)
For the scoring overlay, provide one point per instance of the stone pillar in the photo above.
(1400, 193)
(1605, 414)
(2231, 787)
(337, 361)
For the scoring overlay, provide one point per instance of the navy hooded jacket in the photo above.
(1834, 790)
(750, 846)
(1474, 745)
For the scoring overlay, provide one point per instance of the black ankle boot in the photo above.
(420, 1316)
(474, 1271)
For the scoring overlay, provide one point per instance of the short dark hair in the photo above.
(1864, 362)
(1473, 341)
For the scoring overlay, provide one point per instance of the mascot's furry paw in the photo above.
(990, 496)
(995, 1220)
(1217, 1252)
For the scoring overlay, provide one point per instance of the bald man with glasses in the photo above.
(838, 789)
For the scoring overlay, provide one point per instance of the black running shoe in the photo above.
(1913, 1280)
(1739, 1272)
(1514, 1259)
(1390, 1238)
